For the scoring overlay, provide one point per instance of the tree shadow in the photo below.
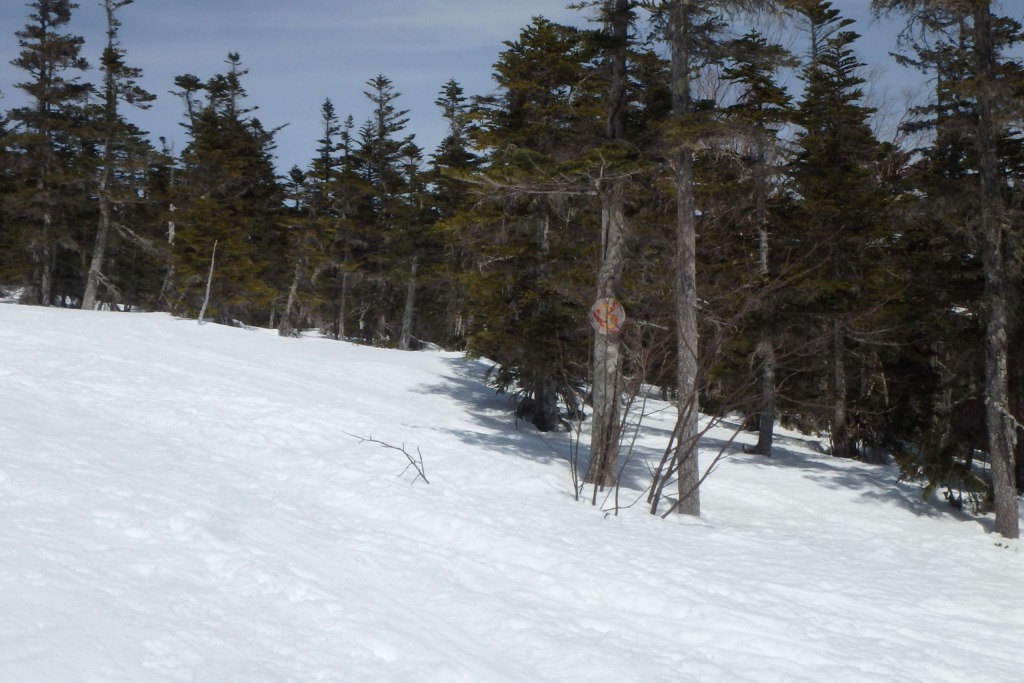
(500, 430)
(493, 414)
(875, 483)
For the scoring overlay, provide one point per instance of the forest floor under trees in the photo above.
(195, 503)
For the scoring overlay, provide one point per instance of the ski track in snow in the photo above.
(181, 503)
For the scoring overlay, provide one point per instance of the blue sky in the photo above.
(300, 52)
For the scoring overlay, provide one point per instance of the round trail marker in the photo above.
(607, 316)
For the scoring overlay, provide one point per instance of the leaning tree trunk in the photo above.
(99, 250)
(286, 329)
(105, 191)
(1000, 424)
(209, 283)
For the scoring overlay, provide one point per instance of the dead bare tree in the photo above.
(209, 283)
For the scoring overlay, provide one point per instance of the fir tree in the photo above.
(389, 162)
(47, 147)
(349, 197)
(843, 202)
(762, 108)
(450, 164)
(123, 150)
(228, 194)
(528, 238)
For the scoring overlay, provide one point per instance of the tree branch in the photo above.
(415, 463)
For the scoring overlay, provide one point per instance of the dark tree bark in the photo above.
(405, 337)
(998, 419)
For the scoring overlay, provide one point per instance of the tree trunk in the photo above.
(45, 259)
(999, 422)
(342, 312)
(685, 456)
(286, 329)
(209, 283)
(765, 347)
(839, 429)
(766, 411)
(99, 249)
(405, 339)
(607, 370)
(545, 396)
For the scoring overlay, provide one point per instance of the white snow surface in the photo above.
(182, 503)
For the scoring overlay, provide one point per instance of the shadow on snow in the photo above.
(501, 431)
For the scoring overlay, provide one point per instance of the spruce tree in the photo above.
(123, 150)
(843, 242)
(349, 210)
(450, 199)
(529, 236)
(47, 144)
(311, 225)
(228, 194)
(389, 163)
(762, 108)
(315, 216)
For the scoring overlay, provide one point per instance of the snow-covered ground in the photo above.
(185, 503)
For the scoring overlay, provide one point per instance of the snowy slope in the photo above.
(182, 503)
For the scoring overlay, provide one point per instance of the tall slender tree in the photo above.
(617, 17)
(119, 142)
(843, 202)
(762, 108)
(390, 162)
(453, 160)
(691, 31)
(694, 32)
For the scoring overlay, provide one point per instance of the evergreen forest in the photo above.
(710, 167)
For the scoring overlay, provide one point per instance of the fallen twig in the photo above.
(415, 463)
